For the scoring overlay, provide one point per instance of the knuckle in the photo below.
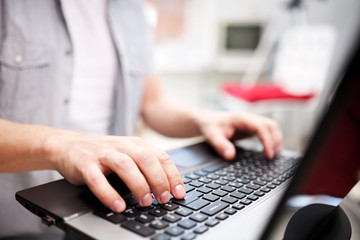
(175, 177)
(162, 182)
(92, 180)
(138, 140)
(140, 187)
(122, 162)
(147, 158)
(164, 158)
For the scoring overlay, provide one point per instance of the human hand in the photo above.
(88, 159)
(221, 127)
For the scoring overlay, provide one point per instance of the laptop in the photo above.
(243, 199)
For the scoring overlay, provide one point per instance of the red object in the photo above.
(263, 92)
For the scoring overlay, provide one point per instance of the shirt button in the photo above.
(68, 52)
(17, 59)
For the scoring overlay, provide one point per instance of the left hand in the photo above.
(219, 128)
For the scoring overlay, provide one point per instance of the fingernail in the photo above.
(179, 191)
(117, 206)
(147, 200)
(165, 197)
(271, 153)
(228, 153)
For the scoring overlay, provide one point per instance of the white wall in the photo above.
(198, 49)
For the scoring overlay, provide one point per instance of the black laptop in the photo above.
(242, 199)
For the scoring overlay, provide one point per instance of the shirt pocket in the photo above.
(24, 68)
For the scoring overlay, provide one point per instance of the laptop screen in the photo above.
(331, 164)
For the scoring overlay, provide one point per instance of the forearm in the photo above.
(24, 147)
(172, 119)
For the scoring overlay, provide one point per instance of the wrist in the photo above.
(199, 119)
(51, 148)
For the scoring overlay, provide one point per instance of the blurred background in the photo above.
(271, 57)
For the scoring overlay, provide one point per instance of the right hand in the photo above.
(87, 160)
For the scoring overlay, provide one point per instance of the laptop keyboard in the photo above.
(213, 194)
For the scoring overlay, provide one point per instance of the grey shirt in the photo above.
(36, 65)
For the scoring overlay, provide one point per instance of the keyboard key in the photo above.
(107, 214)
(158, 224)
(246, 201)
(144, 218)
(235, 184)
(186, 180)
(138, 228)
(252, 197)
(243, 180)
(215, 167)
(211, 197)
(229, 178)
(259, 193)
(188, 188)
(193, 176)
(161, 236)
(131, 212)
(157, 212)
(227, 189)
(265, 189)
(144, 209)
(174, 231)
(211, 222)
(221, 182)
(220, 193)
(222, 172)
(214, 208)
(198, 217)
(196, 184)
(213, 176)
(187, 223)
(188, 236)
(253, 186)
(200, 173)
(237, 195)
(222, 216)
(229, 199)
(213, 185)
(230, 211)
(184, 212)
(201, 229)
(170, 206)
(205, 180)
(245, 190)
(170, 217)
(197, 204)
(238, 206)
(190, 197)
(204, 190)
(259, 182)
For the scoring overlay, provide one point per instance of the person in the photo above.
(74, 78)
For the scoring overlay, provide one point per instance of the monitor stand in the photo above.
(318, 221)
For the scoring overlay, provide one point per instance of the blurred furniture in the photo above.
(299, 73)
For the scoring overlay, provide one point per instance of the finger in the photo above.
(149, 164)
(277, 136)
(127, 170)
(177, 187)
(264, 135)
(259, 127)
(98, 184)
(220, 143)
